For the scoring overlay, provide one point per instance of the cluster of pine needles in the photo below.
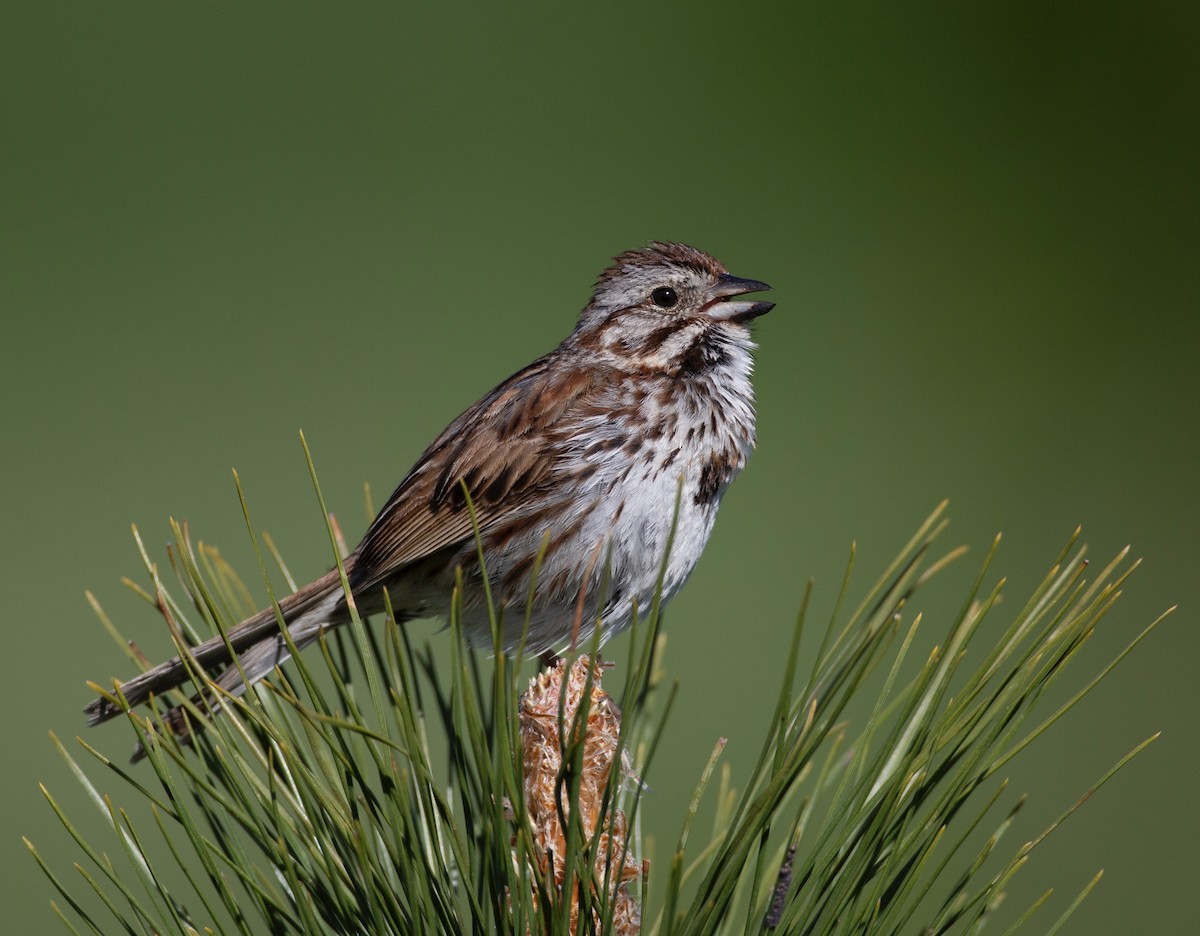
(369, 787)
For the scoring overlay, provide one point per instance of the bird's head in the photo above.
(668, 307)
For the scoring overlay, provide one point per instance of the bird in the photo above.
(592, 456)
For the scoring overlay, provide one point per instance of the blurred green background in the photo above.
(220, 225)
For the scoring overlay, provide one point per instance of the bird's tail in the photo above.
(257, 641)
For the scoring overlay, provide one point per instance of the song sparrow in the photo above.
(586, 446)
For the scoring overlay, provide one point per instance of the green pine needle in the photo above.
(309, 807)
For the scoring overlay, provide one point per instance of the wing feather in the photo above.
(505, 448)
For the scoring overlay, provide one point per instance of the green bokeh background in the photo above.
(220, 225)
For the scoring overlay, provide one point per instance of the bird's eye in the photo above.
(664, 297)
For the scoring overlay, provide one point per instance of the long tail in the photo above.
(257, 641)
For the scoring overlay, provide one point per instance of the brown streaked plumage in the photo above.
(584, 448)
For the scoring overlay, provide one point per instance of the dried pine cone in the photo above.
(542, 755)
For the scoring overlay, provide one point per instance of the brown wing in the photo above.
(504, 447)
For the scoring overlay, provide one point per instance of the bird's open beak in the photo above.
(723, 310)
